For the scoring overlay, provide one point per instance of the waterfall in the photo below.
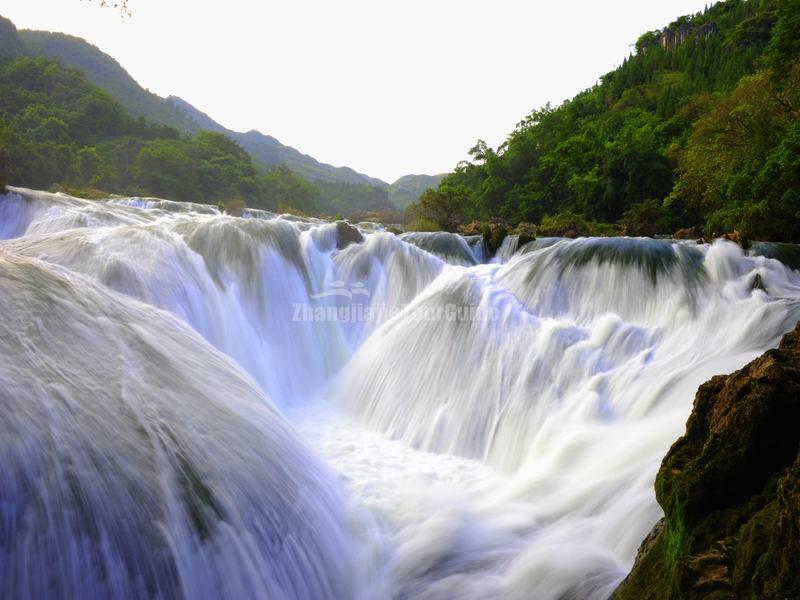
(450, 247)
(196, 404)
(574, 377)
(138, 462)
(508, 247)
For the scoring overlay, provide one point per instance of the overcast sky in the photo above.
(386, 87)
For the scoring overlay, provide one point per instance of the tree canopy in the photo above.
(696, 128)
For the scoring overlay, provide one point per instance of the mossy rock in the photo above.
(526, 233)
(493, 233)
(471, 228)
(730, 490)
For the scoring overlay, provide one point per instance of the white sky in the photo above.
(386, 87)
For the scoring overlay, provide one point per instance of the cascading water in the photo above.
(140, 463)
(495, 428)
(450, 247)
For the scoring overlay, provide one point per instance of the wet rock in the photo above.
(570, 225)
(526, 232)
(493, 232)
(689, 233)
(346, 234)
(730, 490)
(395, 228)
(738, 238)
(471, 228)
(758, 283)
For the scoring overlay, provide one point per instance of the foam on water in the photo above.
(137, 462)
(496, 428)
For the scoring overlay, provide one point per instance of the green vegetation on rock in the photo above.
(730, 490)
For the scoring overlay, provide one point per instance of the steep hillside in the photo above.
(10, 44)
(106, 73)
(368, 193)
(59, 130)
(698, 128)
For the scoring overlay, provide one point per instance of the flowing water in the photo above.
(196, 405)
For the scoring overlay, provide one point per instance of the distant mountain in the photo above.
(268, 151)
(106, 73)
(409, 188)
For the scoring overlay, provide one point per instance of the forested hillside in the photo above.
(699, 127)
(60, 131)
(106, 73)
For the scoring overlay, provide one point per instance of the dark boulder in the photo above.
(758, 283)
(730, 490)
(346, 234)
(395, 228)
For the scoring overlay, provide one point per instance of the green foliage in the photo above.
(281, 190)
(679, 135)
(349, 198)
(58, 129)
(418, 223)
(564, 224)
(436, 207)
(784, 46)
(570, 224)
(740, 163)
(648, 218)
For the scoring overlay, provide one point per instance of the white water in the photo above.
(508, 455)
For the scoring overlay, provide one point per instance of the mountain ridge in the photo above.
(107, 73)
(61, 131)
(267, 150)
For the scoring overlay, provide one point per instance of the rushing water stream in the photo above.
(196, 405)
